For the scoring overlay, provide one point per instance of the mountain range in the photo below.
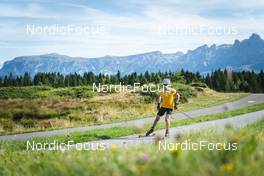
(247, 54)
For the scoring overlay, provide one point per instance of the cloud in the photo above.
(130, 26)
(1, 64)
(31, 10)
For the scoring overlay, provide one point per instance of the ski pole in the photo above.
(185, 114)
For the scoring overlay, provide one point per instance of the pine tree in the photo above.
(261, 81)
(157, 78)
(26, 80)
(208, 81)
(118, 76)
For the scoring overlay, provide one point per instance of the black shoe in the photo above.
(149, 132)
(167, 133)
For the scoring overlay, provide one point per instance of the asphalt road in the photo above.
(250, 100)
(128, 141)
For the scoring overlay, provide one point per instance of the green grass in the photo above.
(248, 159)
(41, 108)
(210, 98)
(45, 91)
(113, 132)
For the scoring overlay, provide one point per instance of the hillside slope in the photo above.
(247, 54)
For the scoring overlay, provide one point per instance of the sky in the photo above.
(95, 28)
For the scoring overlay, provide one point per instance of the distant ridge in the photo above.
(247, 54)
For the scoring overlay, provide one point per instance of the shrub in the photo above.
(37, 114)
(74, 118)
(7, 125)
(5, 115)
(28, 123)
(46, 114)
(148, 97)
(45, 91)
(199, 84)
(45, 124)
(185, 92)
(22, 92)
(74, 92)
(199, 89)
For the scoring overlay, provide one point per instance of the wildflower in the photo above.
(175, 152)
(144, 157)
(220, 146)
(238, 136)
(227, 168)
(114, 148)
(141, 168)
(260, 137)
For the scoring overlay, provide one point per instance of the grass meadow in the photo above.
(113, 132)
(247, 159)
(38, 108)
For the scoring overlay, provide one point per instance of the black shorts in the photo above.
(162, 111)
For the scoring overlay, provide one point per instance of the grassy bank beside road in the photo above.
(39, 108)
(247, 159)
(114, 132)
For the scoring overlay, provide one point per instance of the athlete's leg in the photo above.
(161, 112)
(155, 121)
(153, 125)
(167, 122)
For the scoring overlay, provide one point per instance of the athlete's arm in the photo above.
(159, 101)
(177, 98)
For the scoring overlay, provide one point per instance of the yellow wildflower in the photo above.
(141, 168)
(238, 136)
(175, 152)
(114, 148)
(260, 137)
(228, 168)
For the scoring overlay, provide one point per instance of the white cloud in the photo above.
(31, 10)
(1, 64)
(125, 33)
